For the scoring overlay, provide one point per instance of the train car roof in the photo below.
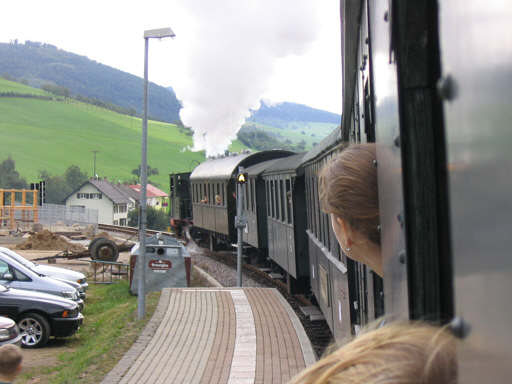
(224, 168)
(330, 141)
(291, 163)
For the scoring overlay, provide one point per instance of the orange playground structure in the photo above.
(18, 206)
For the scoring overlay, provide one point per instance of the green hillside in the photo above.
(52, 135)
(11, 86)
(39, 64)
(296, 131)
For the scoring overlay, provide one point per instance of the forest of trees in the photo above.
(261, 140)
(58, 187)
(38, 64)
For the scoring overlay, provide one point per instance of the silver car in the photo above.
(16, 275)
(55, 272)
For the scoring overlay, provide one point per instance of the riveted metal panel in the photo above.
(389, 163)
(476, 55)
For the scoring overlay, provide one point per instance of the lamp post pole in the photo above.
(141, 288)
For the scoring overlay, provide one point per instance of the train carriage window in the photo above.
(311, 203)
(316, 205)
(276, 199)
(272, 204)
(246, 196)
(205, 194)
(289, 201)
(253, 195)
(282, 198)
(267, 197)
(223, 194)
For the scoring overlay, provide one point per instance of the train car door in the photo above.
(476, 85)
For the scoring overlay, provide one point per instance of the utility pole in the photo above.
(95, 151)
(240, 222)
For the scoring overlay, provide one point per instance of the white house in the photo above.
(111, 201)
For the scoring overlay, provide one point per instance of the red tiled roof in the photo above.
(151, 190)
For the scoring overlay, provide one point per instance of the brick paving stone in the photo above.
(217, 336)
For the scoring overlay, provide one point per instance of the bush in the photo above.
(156, 219)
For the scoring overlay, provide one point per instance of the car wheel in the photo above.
(34, 330)
(104, 250)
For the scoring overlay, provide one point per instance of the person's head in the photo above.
(10, 361)
(397, 353)
(349, 193)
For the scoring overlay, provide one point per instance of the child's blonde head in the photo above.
(394, 354)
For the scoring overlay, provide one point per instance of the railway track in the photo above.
(129, 230)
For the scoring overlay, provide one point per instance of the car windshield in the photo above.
(20, 259)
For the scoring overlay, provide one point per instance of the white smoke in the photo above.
(236, 44)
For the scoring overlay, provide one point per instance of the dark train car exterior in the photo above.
(254, 207)
(286, 220)
(430, 82)
(328, 266)
(180, 207)
(214, 192)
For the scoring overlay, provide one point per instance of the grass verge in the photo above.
(110, 328)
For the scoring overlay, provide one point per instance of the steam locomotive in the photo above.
(428, 82)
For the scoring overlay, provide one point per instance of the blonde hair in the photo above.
(348, 189)
(10, 359)
(399, 353)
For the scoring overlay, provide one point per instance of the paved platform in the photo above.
(217, 336)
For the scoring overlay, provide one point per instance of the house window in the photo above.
(122, 208)
(122, 222)
(116, 222)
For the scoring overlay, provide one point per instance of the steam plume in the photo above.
(235, 46)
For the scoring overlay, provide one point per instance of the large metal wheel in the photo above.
(104, 250)
(34, 329)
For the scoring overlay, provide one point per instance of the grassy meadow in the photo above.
(11, 86)
(52, 135)
(310, 132)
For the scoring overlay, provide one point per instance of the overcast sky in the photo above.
(110, 32)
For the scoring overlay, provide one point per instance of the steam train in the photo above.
(428, 82)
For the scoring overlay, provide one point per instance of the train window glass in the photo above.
(276, 198)
(312, 202)
(289, 201)
(253, 195)
(274, 202)
(282, 199)
(205, 194)
(310, 194)
(194, 192)
(267, 197)
(271, 183)
(223, 194)
(316, 203)
(247, 198)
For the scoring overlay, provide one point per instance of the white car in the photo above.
(78, 280)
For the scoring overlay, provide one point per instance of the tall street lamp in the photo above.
(141, 289)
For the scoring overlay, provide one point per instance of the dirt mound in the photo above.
(46, 240)
(105, 235)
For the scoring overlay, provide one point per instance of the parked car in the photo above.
(9, 332)
(16, 275)
(39, 315)
(49, 270)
